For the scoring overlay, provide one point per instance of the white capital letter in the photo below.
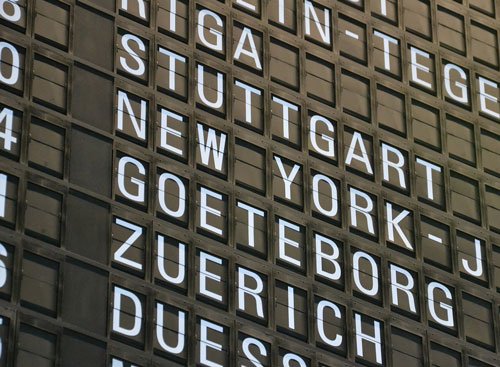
(211, 146)
(172, 58)
(330, 151)
(217, 46)
(139, 184)
(432, 306)
(485, 96)
(320, 317)
(246, 350)
(181, 262)
(398, 166)
(357, 139)
(310, 12)
(429, 167)
(220, 88)
(139, 126)
(374, 273)
(415, 66)
(252, 212)
(181, 330)
(141, 67)
(395, 286)
(181, 197)
(246, 34)
(387, 40)
(205, 274)
(322, 256)
(205, 209)
(16, 10)
(140, 3)
(286, 107)
(393, 223)
(205, 343)
(284, 241)
(253, 292)
(479, 261)
(464, 98)
(117, 302)
(376, 339)
(15, 67)
(355, 208)
(287, 179)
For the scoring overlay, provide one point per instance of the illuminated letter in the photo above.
(217, 46)
(141, 67)
(376, 339)
(139, 126)
(140, 3)
(429, 167)
(138, 183)
(254, 292)
(464, 98)
(283, 241)
(246, 350)
(287, 358)
(3, 194)
(172, 58)
(3, 267)
(1, 340)
(117, 303)
(211, 146)
(415, 66)
(117, 363)
(220, 89)
(181, 332)
(374, 273)
(287, 179)
(206, 274)
(333, 192)
(291, 307)
(393, 223)
(395, 286)
(167, 130)
(321, 256)
(16, 13)
(173, 14)
(357, 139)
(355, 208)
(181, 209)
(205, 209)
(478, 256)
(320, 323)
(15, 67)
(383, 7)
(7, 115)
(310, 11)
(484, 96)
(281, 11)
(246, 34)
(244, 4)
(387, 40)
(386, 163)
(251, 220)
(330, 152)
(205, 343)
(286, 107)
(136, 233)
(181, 262)
(447, 308)
(248, 98)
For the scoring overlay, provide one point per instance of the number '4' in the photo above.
(7, 116)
